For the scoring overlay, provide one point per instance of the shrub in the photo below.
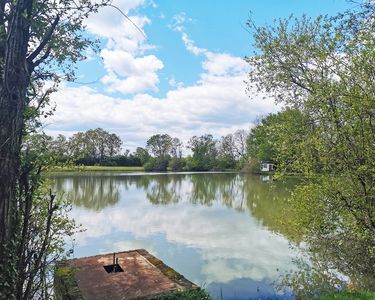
(156, 164)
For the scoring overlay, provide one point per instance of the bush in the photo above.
(177, 164)
(250, 165)
(156, 164)
(348, 296)
(196, 294)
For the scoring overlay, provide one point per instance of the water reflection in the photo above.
(264, 200)
(261, 290)
(219, 230)
(89, 191)
(331, 262)
(163, 189)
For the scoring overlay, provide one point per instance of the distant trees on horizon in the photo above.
(161, 152)
(243, 149)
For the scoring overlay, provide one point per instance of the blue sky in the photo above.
(187, 77)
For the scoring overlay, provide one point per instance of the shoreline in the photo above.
(96, 168)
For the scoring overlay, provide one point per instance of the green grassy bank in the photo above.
(348, 296)
(97, 168)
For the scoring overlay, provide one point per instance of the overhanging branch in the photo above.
(44, 42)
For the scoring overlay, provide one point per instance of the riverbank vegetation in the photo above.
(322, 71)
(98, 148)
(96, 168)
(193, 294)
(39, 43)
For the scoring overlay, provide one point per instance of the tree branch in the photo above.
(43, 58)
(39, 49)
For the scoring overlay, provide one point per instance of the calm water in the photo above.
(221, 231)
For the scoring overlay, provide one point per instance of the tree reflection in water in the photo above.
(90, 190)
(266, 201)
(331, 263)
(164, 190)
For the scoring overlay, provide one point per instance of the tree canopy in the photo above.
(325, 69)
(39, 43)
(278, 138)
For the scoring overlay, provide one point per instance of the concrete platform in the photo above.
(143, 276)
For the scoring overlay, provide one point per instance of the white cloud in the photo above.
(173, 83)
(216, 104)
(212, 230)
(110, 23)
(190, 45)
(222, 64)
(178, 22)
(129, 70)
(129, 74)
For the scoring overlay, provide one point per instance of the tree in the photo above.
(176, 148)
(44, 224)
(227, 152)
(325, 68)
(80, 147)
(204, 152)
(142, 154)
(114, 143)
(94, 146)
(102, 143)
(278, 138)
(39, 40)
(60, 148)
(240, 145)
(160, 145)
(260, 143)
(158, 164)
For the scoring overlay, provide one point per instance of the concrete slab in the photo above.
(144, 276)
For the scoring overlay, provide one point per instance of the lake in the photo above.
(220, 230)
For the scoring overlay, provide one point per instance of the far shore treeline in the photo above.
(162, 152)
(241, 150)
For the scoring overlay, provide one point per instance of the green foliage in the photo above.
(142, 154)
(227, 158)
(156, 164)
(42, 221)
(96, 168)
(278, 138)
(39, 41)
(324, 70)
(97, 147)
(160, 144)
(93, 146)
(65, 283)
(193, 294)
(348, 296)
(204, 153)
(177, 164)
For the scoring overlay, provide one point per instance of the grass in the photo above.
(194, 294)
(348, 296)
(98, 168)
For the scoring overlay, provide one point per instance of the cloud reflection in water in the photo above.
(216, 229)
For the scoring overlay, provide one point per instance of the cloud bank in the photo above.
(216, 103)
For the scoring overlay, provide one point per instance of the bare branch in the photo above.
(121, 12)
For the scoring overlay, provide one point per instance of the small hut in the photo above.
(267, 166)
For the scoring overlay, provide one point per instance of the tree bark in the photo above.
(14, 80)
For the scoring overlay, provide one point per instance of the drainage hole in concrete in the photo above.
(113, 268)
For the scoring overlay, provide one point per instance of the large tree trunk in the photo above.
(15, 78)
